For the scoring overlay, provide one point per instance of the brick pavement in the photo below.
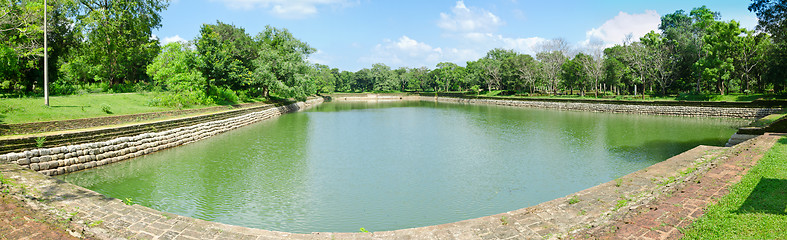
(17, 221)
(664, 218)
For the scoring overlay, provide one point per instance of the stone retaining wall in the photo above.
(24, 143)
(51, 126)
(688, 111)
(66, 159)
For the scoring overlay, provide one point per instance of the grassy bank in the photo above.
(32, 109)
(755, 208)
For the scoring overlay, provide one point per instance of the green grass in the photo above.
(755, 208)
(32, 109)
(767, 120)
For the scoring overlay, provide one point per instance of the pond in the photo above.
(342, 166)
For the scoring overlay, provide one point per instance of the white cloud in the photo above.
(407, 52)
(614, 31)
(175, 38)
(320, 57)
(293, 9)
(469, 20)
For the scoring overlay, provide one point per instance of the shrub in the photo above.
(106, 108)
(223, 96)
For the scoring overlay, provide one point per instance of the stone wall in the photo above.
(688, 111)
(65, 159)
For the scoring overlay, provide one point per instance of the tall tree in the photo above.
(118, 37)
(552, 56)
(771, 17)
(574, 74)
(175, 70)
(593, 65)
(281, 66)
(225, 54)
(719, 51)
(658, 59)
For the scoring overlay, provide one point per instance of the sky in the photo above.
(354, 34)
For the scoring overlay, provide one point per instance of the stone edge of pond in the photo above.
(598, 206)
(66, 159)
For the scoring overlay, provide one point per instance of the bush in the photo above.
(223, 96)
(106, 108)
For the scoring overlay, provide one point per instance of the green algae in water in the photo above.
(384, 166)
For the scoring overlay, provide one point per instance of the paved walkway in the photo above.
(17, 221)
(664, 218)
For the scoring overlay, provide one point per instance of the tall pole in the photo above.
(46, 63)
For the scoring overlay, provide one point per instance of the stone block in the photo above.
(34, 166)
(23, 161)
(35, 160)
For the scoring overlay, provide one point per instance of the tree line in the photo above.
(694, 52)
(109, 46)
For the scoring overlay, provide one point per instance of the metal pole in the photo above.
(46, 63)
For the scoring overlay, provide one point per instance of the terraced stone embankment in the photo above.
(627, 107)
(18, 144)
(105, 147)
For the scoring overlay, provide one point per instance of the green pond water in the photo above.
(382, 166)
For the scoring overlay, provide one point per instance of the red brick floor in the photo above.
(664, 218)
(19, 222)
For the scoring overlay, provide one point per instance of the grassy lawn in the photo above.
(767, 120)
(755, 208)
(32, 109)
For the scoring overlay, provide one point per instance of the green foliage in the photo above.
(128, 201)
(117, 44)
(40, 141)
(175, 71)
(106, 108)
(770, 16)
(363, 230)
(223, 95)
(573, 200)
(281, 66)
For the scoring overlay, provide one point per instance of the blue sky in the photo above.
(354, 34)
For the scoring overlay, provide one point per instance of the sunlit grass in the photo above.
(755, 208)
(32, 109)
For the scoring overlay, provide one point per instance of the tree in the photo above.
(717, 64)
(21, 42)
(446, 73)
(527, 70)
(593, 65)
(117, 37)
(573, 73)
(382, 77)
(658, 59)
(225, 60)
(552, 56)
(175, 70)
(281, 65)
(491, 72)
(324, 77)
(752, 58)
(772, 17)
